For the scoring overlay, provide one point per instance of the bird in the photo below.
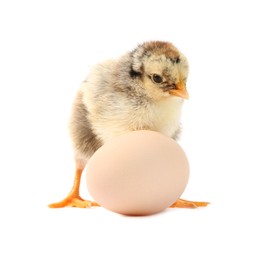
(143, 89)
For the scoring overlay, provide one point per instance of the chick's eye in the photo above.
(157, 79)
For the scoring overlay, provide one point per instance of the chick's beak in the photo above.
(180, 91)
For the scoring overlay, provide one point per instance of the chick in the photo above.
(142, 90)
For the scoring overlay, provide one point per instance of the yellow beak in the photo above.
(180, 91)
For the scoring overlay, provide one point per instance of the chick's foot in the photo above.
(71, 201)
(181, 203)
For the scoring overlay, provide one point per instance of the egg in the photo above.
(137, 173)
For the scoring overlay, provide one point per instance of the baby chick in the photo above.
(142, 90)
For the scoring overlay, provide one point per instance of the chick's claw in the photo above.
(77, 202)
(181, 203)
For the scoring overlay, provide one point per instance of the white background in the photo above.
(47, 48)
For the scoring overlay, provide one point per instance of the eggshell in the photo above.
(138, 173)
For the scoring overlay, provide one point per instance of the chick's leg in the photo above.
(73, 199)
(180, 203)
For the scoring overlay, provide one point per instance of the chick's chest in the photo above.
(163, 116)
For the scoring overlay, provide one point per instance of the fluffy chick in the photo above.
(142, 90)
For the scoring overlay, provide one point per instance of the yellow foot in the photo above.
(74, 202)
(180, 203)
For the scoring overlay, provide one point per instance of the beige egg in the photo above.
(138, 173)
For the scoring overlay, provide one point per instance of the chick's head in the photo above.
(162, 69)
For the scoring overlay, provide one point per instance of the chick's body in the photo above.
(142, 90)
(112, 101)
